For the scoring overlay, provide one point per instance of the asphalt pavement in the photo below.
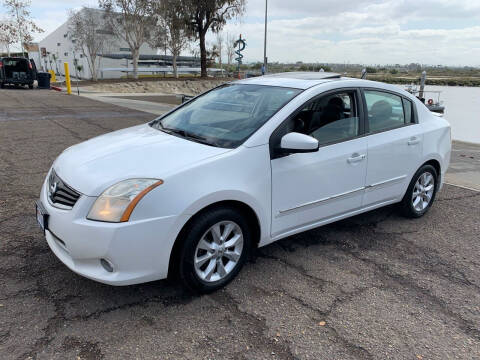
(375, 286)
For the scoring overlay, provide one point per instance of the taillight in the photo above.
(1, 64)
(30, 65)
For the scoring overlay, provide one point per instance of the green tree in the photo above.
(8, 34)
(203, 15)
(131, 21)
(171, 32)
(23, 27)
(87, 32)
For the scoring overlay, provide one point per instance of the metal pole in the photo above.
(265, 39)
(422, 84)
(75, 63)
(19, 29)
(67, 79)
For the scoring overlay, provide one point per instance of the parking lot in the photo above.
(372, 287)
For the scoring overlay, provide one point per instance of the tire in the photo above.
(2, 86)
(30, 86)
(214, 268)
(419, 198)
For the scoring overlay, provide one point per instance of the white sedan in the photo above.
(243, 165)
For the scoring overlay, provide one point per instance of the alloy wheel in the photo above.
(218, 251)
(423, 191)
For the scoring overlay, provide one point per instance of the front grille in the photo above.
(60, 193)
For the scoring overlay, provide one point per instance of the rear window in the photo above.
(11, 62)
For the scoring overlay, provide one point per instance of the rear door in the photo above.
(394, 145)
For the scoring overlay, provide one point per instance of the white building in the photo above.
(60, 49)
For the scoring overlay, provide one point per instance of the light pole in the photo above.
(265, 39)
(19, 28)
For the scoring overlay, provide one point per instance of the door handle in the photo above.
(413, 141)
(355, 158)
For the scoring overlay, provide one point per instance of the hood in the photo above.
(137, 152)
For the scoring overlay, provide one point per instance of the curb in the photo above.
(461, 186)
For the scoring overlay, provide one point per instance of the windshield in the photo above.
(228, 115)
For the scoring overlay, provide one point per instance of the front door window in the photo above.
(329, 119)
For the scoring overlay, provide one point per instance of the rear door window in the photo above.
(385, 110)
(408, 109)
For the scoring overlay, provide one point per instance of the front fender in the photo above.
(233, 195)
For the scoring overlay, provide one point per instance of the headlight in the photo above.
(118, 201)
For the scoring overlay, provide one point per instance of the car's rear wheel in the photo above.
(215, 247)
(2, 86)
(30, 86)
(420, 193)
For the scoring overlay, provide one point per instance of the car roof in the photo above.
(306, 80)
(298, 80)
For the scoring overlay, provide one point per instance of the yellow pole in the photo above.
(67, 79)
(53, 77)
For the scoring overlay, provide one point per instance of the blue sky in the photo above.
(353, 31)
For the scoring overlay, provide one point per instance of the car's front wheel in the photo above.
(215, 247)
(421, 192)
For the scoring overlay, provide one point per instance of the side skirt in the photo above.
(326, 221)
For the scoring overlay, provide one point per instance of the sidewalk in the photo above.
(152, 107)
(464, 167)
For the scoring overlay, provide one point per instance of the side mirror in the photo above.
(298, 143)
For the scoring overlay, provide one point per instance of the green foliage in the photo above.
(201, 16)
(21, 27)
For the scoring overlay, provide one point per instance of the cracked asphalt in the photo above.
(375, 286)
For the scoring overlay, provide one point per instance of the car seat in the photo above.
(380, 115)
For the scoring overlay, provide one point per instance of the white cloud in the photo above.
(372, 32)
(363, 31)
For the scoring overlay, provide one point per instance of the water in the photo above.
(462, 110)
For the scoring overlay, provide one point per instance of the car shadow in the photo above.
(82, 293)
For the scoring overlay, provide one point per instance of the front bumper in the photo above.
(139, 251)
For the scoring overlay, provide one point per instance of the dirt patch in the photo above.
(188, 87)
(164, 99)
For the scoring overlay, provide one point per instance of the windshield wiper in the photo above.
(187, 135)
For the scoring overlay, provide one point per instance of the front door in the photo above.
(310, 188)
